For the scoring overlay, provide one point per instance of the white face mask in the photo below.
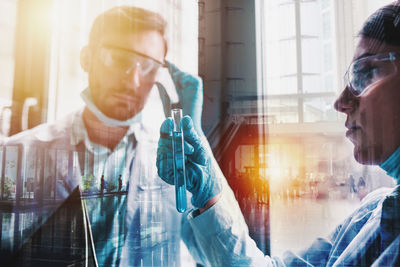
(87, 98)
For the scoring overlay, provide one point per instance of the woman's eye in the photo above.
(369, 72)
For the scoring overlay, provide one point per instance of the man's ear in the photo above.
(86, 58)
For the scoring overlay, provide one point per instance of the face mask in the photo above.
(87, 98)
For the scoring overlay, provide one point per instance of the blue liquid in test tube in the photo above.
(179, 160)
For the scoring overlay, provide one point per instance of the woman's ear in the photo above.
(86, 58)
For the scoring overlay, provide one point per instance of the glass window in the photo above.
(310, 25)
(309, 161)
(327, 57)
(281, 69)
(326, 25)
(325, 3)
(316, 71)
(8, 16)
(282, 110)
(279, 10)
(280, 48)
(312, 83)
(319, 109)
(311, 55)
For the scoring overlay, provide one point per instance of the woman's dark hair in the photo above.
(384, 25)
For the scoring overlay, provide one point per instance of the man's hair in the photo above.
(127, 19)
(384, 25)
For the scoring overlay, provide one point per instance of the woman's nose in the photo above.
(346, 102)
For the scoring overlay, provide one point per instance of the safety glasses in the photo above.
(127, 60)
(367, 71)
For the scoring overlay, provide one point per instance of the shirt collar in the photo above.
(392, 165)
(147, 129)
(79, 135)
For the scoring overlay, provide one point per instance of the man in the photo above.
(371, 235)
(116, 133)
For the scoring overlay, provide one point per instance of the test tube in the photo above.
(179, 159)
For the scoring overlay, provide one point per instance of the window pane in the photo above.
(281, 56)
(326, 25)
(319, 109)
(277, 11)
(282, 110)
(317, 49)
(281, 68)
(312, 83)
(325, 3)
(311, 55)
(310, 24)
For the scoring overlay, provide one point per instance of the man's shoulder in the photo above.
(374, 198)
(370, 203)
(58, 130)
(377, 194)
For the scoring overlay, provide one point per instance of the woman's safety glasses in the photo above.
(366, 71)
(127, 60)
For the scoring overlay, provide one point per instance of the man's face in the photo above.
(118, 90)
(373, 118)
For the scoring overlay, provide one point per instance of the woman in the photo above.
(217, 234)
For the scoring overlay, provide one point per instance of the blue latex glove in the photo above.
(202, 174)
(190, 92)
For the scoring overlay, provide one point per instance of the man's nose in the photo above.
(346, 102)
(134, 75)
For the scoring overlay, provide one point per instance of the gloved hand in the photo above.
(190, 92)
(203, 178)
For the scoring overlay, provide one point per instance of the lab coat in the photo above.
(368, 237)
(141, 227)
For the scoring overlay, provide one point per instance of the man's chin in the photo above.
(122, 116)
(121, 113)
(364, 157)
